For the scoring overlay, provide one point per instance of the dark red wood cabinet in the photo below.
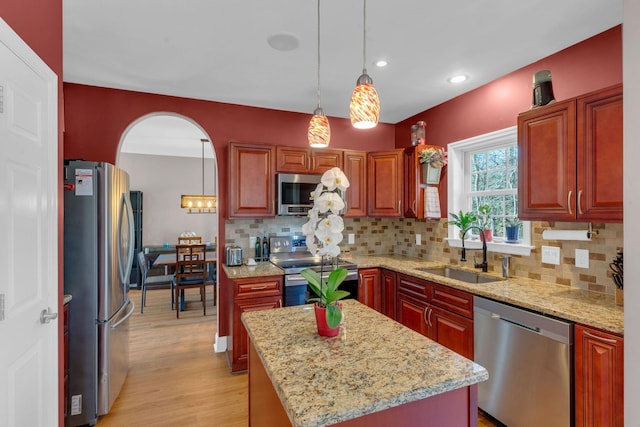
(599, 378)
(251, 180)
(355, 169)
(250, 294)
(306, 160)
(388, 292)
(384, 177)
(369, 288)
(570, 159)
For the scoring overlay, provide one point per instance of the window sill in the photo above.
(498, 247)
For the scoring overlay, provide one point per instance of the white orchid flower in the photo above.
(328, 238)
(309, 227)
(335, 178)
(333, 223)
(311, 245)
(313, 214)
(330, 201)
(317, 192)
(331, 250)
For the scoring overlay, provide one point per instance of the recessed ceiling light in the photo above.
(283, 42)
(381, 63)
(458, 78)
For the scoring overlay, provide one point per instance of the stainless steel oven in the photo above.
(291, 254)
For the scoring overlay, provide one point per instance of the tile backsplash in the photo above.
(386, 236)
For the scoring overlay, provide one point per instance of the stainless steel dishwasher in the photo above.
(529, 358)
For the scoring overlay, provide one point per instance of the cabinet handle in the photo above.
(413, 205)
(424, 315)
(579, 204)
(569, 202)
(430, 311)
(258, 288)
(279, 303)
(399, 202)
(608, 340)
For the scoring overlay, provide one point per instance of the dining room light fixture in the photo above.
(364, 109)
(199, 203)
(319, 132)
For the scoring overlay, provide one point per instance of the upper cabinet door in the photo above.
(547, 162)
(307, 160)
(355, 168)
(251, 180)
(600, 155)
(384, 195)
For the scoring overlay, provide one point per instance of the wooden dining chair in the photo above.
(162, 281)
(191, 272)
(193, 240)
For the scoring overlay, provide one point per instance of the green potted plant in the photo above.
(463, 220)
(484, 221)
(324, 232)
(512, 227)
(432, 160)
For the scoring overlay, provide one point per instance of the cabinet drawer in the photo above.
(258, 287)
(454, 300)
(414, 286)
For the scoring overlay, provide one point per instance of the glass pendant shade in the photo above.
(364, 109)
(319, 132)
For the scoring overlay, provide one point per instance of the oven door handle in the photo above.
(298, 279)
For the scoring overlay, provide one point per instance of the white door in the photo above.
(28, 236)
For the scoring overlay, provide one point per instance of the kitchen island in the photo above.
(375, 372)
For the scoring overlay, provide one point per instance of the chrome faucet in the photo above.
(483, 265)
(506, 264)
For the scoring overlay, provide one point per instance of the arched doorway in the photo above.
(163, 154)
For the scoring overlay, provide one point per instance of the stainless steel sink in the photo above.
(462, 275)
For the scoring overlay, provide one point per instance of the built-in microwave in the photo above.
(294, 193)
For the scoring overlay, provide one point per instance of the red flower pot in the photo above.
(321, 321)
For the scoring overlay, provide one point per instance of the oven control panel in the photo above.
(287, 244)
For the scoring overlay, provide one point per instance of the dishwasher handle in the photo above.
(514, 322)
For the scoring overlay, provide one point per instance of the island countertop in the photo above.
(374, 364)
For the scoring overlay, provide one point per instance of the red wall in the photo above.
(589, 65)
(39, 24)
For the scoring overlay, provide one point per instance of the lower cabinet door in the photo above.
(240, 337)
(369, 287)
(599, 385)
(451, 330)
(388, 293)
(411, 313)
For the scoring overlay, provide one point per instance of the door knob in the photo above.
(46, 315)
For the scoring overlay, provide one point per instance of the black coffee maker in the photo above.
(542, 89)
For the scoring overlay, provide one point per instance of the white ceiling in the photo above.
(217, 49)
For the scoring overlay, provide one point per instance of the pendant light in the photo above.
(364, 109)
(199, 204)
(319, 132)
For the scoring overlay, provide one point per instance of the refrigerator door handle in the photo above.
(129, 314)
(129, 213)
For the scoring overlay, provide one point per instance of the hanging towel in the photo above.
(432, 202)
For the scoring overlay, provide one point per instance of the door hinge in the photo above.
(1, 307)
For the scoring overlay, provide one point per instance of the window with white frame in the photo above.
(484, 171)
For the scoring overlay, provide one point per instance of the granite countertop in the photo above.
(374, 364)
(589, 308)
(263, 268)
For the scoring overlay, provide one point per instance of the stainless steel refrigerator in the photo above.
(98, 253)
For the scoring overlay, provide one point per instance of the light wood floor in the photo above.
(175, 378)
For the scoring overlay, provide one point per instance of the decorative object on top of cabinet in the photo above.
(582, 138)
(418, 133)
(251, 180)
(542, 89)
(355, 169)
(384, 177)
(307, 160)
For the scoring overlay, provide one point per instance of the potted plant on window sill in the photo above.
(484, 221)
(512, 227)
(324, 233)
(463, 220)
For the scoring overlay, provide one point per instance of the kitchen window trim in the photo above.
(458, 173)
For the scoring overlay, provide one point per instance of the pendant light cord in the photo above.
(318, 91)
(202, 140)
(364, 37)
